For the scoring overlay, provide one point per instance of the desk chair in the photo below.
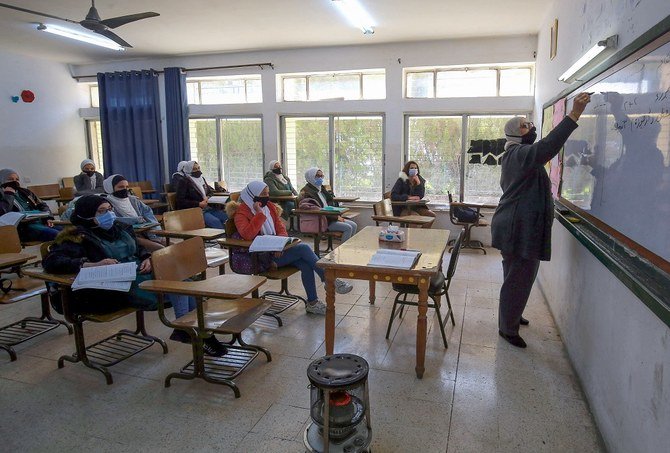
(282, 300)
(171, 198)
(68, 181)
(17, 288)
(45, 191)
(439, 286)
(383, 212)
(467, 242)
(225, 311)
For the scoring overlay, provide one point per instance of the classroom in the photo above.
(299, 105)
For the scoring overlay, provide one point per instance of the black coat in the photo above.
(82, 183)
(521, 225)
(310, 191)
(188, 195)
(402, 190)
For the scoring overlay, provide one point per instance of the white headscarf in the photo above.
(85, 162)
(122, 206)
(199, 182)
(5, 173)
(310, 176)
(180, 168)
(253, 189)
(279, 176)
(513, 131)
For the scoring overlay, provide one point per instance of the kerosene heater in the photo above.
(339, 405)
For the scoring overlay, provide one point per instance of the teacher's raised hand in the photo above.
(578, 105)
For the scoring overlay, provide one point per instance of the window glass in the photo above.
(420, 85)
(295, 89)
(95, 145)
(193, 92)
(230, 91)
(202, 136)
(95, 96)
(342, 86)
(467, 83)
(306, 144)
(515, 82)
(374, 86)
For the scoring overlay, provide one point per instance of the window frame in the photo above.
(331, 142)
(308, 75)
(99, 163)
(244, 77)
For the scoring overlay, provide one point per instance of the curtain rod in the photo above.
(209, 68)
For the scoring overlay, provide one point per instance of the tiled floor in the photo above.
(480, 395)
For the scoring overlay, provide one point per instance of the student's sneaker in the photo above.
(214, 347)
(342, 287)
(317, 307)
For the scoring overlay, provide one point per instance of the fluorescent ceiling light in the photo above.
(79, 36)
(572, 72)
(355, 14)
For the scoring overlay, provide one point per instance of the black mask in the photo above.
(529, 137)
(123, 193)
(13, 184)
(276, 171)
(196, 174)
(262, 200)
(90, 173)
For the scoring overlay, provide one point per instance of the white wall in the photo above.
(44, 140)
(619, 348)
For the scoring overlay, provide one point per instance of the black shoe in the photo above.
(524, 321)
(514, 340)
(214, 347)
(180, 336)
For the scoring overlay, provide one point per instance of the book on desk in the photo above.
(398, 259)
(269, 243)
(115, 277)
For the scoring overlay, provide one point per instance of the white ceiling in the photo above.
(209, 26)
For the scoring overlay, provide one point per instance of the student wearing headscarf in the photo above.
(130, 209)
(20, 199)
(89, 180)
(97, 239)
(177, 176)
(315, 190)
(521, 225)
(193, 192)
(256, 215)
(410, 186)
(280, 185)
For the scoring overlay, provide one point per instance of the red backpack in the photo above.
(312, 223)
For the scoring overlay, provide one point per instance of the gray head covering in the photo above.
(5, 173)
(272, 164)
(85, 162)
(180, 166)
(109, 183)
(513, 131)
(310, 175)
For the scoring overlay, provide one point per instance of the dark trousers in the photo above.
(519, 274)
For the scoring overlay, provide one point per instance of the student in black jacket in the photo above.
(410, 186)
(89, 180)
(193, 192)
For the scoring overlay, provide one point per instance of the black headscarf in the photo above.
(85, 209)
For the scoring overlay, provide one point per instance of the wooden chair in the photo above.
(220, 186)
(45, 191)
(171, 198)
(16, 288)
(439, 286)
(235, 196)
(65, 195)
(468, 226)
(147, 187)
(225, 311)
(282, 300)
(68, 181)
(104, 353)
(383, 212)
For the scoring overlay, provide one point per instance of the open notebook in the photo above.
(268, 243)
(400, 259)
(115, 277)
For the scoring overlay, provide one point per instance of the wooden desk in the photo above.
(280, 198)
(14, 259)
(139, 228)
(346, 199)
(207, 234)
(404, 220)
(221, 194)
(350, 260)
(421, 202)
(473, 205)
(219, 287)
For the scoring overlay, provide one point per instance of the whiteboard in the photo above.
(616, 165)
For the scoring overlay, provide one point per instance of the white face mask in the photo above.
(413, 171)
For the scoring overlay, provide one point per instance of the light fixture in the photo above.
(355, 14)
(84, 37)
(576, 69)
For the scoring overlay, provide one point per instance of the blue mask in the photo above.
(318, 182)
(106, 220)
(413, 171)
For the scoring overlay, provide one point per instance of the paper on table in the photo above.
(268, 243)
(401, 259)
(112, 286)
(11, 218)
(100, 277)
(217, 199)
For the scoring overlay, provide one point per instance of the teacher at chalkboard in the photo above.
(521, 225)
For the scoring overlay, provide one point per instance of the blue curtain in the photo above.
(176, 115)
(131, 128)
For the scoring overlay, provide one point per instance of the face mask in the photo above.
(262, 200)
(106, 220)
(413, 171)
(90, 173)
(196, 174)
(276, 171)
(318, 182)
(123, 193)
(529, 137)
(13, 184)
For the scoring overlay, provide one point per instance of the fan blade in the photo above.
(113, 36)
(122, 20)
(4, 5)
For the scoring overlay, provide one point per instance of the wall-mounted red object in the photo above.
(27, 96)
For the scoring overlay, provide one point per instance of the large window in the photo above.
(349, 150)
(468, 82)
(354, 85)
(435, 143)
(229, 149)
(94, 139)
(240, 89)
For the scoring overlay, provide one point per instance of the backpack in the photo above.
(312, 223)
(465, 214)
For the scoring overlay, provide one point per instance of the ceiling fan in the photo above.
(93, 22)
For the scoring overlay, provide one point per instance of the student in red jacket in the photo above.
(257, 215)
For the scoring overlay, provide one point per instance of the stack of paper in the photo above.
(401, 259)
(268, 243)
(217, 199)
(115, 277)
(11, 218)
